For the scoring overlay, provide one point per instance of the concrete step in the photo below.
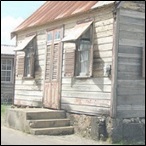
(53, 131)
(52, 114)
(46, 123)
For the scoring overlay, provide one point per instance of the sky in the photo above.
(14, 13)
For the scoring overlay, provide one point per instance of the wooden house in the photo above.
(88, 58)
(7, 73)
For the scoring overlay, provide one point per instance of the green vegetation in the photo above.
(3, 109)
(3, 112)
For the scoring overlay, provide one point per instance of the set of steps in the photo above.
(49, 122)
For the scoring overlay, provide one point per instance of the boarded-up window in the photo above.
(143, 63)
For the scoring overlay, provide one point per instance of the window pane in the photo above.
(84, 67)
(3, 73)
(8, 73)
(84, 50)
(7, 78)
(3, 67)
(2, 78)
(8, 62)
(3, 61)
(49, 36)
(84, 56)
(8, 67)
(57, 35)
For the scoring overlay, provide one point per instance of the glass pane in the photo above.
(8, 62)
(84, 67)
(7, 78)
(3, 61)
(8, 73)
(3, 73)
(57, 35)
(49, 36)
(3, 67)
(2, 78)
(84, 56)
(8, 67)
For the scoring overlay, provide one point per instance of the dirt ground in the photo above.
(15, 137)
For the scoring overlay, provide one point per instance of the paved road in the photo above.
(14, 137)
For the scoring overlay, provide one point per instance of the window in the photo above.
(25, 57)
(79, 60)
(29, 60)
(50, 36)
(54, 35)
(6, 70)
(57, 34)
(83, 54)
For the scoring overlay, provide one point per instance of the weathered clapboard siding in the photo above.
(7, 91)
(130, 84)
(91, 95)
(30, 92)
(90, 110)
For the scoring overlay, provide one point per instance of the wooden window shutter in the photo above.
(91, 62)
(143, 63)
(32, 64)
(69, 62)
(20, 65)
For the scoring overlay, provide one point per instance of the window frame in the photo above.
(29, 52)
(11, 71)
(77, 61)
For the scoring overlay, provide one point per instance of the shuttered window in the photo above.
(143, 63)
(69, 62)
(53, 54)
(25, 61)
(79, 60)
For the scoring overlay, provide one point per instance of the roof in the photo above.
(7, 49)
(54, 10)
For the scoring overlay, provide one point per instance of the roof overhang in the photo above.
(24, 43)
(77, 31)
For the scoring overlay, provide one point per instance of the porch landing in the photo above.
(39, 121)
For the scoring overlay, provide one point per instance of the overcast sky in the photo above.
(12, 14)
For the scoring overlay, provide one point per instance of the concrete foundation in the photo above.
(104, 127)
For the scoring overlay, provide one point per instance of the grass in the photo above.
(3, 109)
(3, 112)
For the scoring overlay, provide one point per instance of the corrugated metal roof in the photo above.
(7, 49)
(54, 10)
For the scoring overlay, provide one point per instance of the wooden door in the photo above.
(52, 88)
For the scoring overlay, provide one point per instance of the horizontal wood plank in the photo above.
(91, 81)
(89, 88)
(131, 100)
(131, 83)
(83, 109)
(133, 14)
(130, 91)
(94, 95)
(87, 102)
